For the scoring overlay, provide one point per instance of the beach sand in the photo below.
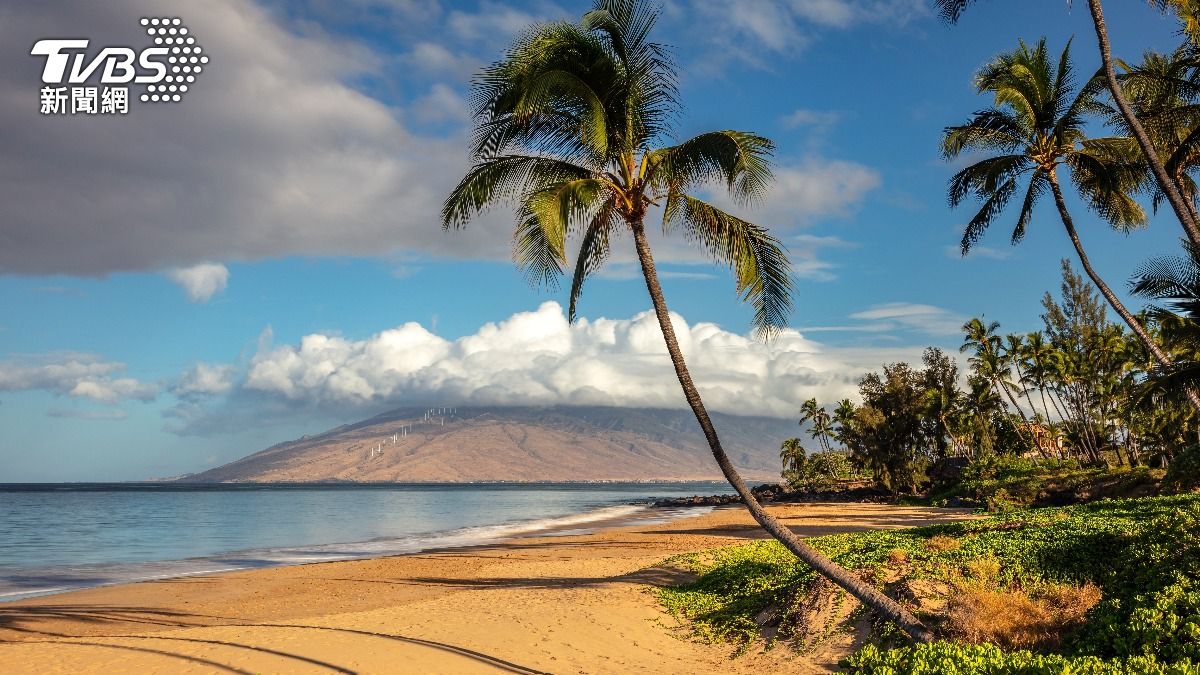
(566, 604)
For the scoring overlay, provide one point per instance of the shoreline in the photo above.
(559, 603)
(106, 575)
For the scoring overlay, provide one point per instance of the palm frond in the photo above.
(951, 10)
(563, 206)
(986, 176)
(535, 252)
(1107, 183)
(1037, 188)
(593, 251)
(741, 160)
(503, 178)
(759, 261)
(992, 207)
(991, 129)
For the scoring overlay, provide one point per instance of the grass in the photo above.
(1099, 583)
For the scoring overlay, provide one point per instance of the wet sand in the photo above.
(565, 604)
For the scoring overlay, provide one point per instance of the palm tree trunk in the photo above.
(1136, 326)
(999, 384)
(865, 592)
(1169, 187)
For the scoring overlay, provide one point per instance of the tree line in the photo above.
(1082, 387)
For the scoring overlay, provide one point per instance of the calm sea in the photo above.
(55, 538)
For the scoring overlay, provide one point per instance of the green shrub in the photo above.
(1143, 554)
(1183, 474)
(821, 471)
(948, 658)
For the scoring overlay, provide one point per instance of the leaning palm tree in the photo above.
(1036, 127)
(568, 129)
(951, 10)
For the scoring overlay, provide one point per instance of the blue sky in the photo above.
(159, 273)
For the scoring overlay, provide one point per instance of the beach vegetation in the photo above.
(1104, 587)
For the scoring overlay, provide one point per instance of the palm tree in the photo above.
(822, 423)
(568, 126)
(1041, 360)
(1038, 126)
(1011, 351)
(951, 10)
(1162, 90)
(982, 339)
(793, 456)
(1175, 280)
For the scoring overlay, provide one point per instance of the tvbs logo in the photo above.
(168, 69)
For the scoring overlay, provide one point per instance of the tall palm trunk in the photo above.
(1169, 187)
(999, 384)
(865, 592)
(1151, 346)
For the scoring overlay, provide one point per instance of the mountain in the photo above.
(558, 443)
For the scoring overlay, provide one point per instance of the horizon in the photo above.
(264, 260)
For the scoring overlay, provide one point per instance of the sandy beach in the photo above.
(565, 604)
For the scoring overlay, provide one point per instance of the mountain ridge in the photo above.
(515, 444)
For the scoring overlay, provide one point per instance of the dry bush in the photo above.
(1016, 619)
(941, 543)
(897, 556)
(983, 570)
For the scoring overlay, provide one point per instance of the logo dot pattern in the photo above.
(185, 59)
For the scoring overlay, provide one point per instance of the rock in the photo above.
(947, 471)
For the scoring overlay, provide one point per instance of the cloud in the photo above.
(441, 104)
(818, 188)
(537, 358)
(276, 151)
(76, 375)
(204, 380)
(499, 22)
(978, 251)
(913, 316)
(789, 26)
(433, 59)
(819, 119)
(807, 190)
(821, 241)
(72, 413)
(202, 281)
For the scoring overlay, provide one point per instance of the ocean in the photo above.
(61, 537)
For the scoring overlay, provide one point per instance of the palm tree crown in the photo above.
(1036, 125)
(568, 126)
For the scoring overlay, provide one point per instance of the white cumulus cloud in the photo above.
(204, 380)
(538, 358)
(75, 375)
(202, 281)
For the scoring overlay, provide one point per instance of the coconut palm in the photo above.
(981, 338)
(569, 127)
(1036, 127)
(951, 10)
(822, 423)
(1041, 361)
(793, 457)
(1175, 281)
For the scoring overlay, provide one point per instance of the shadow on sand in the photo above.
(23, 620)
